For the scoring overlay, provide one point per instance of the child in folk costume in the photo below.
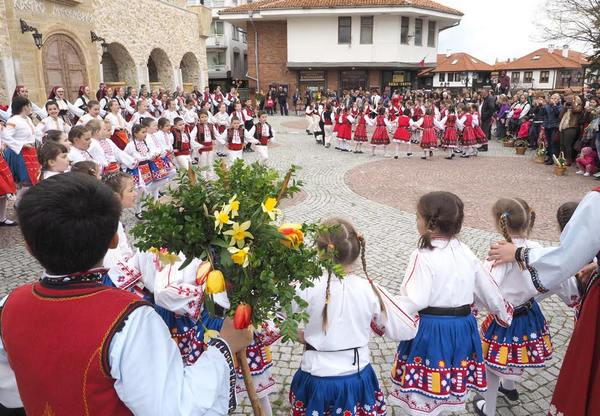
(57, 136)
(448, 125)
(81, 142)
(155, 104)
(143, 153)
(234, 138)
(222, 122)
(171, 112)
(263, 134)
(328, 122)
(93, 113)
(402, 133)
(380, 136)
(318, 126)
(182, 147)
(140, 113)
(164, 140)
(87, 167)
(238, 113)
(526, 343)
(310, 108)
(204, 136)
(417, 112)
(67, 111)
(344, 132)
(335, 375)
(161, 171)
(429, 140)
(248, 119)
(105, 101)
(479, 133)
(7, 187)
(52, 122)
(190, 115)
(105, 152)
(360, 134)
(118, 125)
(54, 159)
(434, 372)
(469, 139)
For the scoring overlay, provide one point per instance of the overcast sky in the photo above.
(493, 29)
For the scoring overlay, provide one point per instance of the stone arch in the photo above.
(160, 69)
(118, 66)
(190, 69)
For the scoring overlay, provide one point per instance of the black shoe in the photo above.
(512, 395)
(479, 410)
(409, 154)
(307, 132)
(483, 148)
(395, 157)
(336, 148)
(423, 157)
(458, 151)
(8, 223)
(450, 157)
(327, 146)
(464, 156)
(431, 153)
(139, 216)
(360, 152)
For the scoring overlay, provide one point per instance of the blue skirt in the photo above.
(526, 343)
(354, 394)
(16, 164)
(443, 362)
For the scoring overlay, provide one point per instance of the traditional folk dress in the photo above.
(468, 133)
(67, 111)
(182, 148)
(50, 123)
(7, 182)
(450, 136)
(327, 117)
(190, 118)
(380, 136)
(479, 134)
(203, 136)
(20, 153)
(360, 134)
(79, 155)
(402, 133)
(263, 134)
(145, 172)
(308, 112)
(234, 139)
(122, 379)
(118, 127)
(434, 372)
(428, 139)
(577, 387)
(110, 158)
(335, 375)
(164, 141)
(345, 130)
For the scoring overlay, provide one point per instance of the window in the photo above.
(432, 32)
(366, 30)
(244, 37)
(236, 33)
(216, 27)
(544, 77)
(236, 60)
(344, 30)
(216, 59)
(515, 77)
(418, 32)
(527, 76)
(404, 30)
(451, 77)
(442, 76)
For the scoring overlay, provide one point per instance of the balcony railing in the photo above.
(217, 68)
(216, 41)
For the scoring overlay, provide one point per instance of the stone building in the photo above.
(152, 42)
(340, 44)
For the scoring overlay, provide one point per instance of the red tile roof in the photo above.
(326, 4)
(542, 59)
(460, 62)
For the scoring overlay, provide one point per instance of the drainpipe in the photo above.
(255, 53)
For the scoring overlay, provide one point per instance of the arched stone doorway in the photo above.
(190, 71)
(63, 64)
(118, 67)
(160, 70)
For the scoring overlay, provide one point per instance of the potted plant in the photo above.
(540, 153)
(520, 146)
(509, 141)
(560, 164)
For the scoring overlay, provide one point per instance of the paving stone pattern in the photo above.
(384, 214)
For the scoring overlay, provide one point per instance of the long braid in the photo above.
(532, 217)
(363, 259)
(330, 249)
(504, 226)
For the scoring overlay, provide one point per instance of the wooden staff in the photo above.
(250, 390)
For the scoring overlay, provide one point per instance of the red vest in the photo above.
(264, 140)
(235, 146)
(403, 121)
(200, 137)
(180, 147)
(57, 342)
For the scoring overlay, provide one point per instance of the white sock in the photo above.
(508, 384)
(266, 406)
(491, 395)
(3, 208)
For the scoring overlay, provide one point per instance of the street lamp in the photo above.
(96, 38)
(37, 36)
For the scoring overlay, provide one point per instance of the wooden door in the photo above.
(64, 65)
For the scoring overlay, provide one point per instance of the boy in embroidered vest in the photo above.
(181, 144)
(234, 138)
(263, 134)
(104, 351)
(203, 136)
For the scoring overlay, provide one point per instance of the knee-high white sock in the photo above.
(491, 395)
(2, 208)
(266, 406)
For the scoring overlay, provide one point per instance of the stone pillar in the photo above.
(142, 75)
(10, 79)
(101, 72)
(176, 78)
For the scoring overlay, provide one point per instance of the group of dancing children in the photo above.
(456, 130)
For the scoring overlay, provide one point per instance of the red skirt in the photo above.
(402, 134)
(450, 137)
(429, 139)
(468, 136)
(360, 134)
(7, 183)
(111, 168)
(480, 135)
(336, 128)
(34, 169)
(120, 138)
(345, 132)
(380, 136)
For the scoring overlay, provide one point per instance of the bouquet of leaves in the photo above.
(560, 161)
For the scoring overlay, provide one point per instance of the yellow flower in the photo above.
(269, 207)
(215, 283)
(210, 334)
(234, 204)
(240, 257)
(222, 217)
(293, 237)
(239, 233)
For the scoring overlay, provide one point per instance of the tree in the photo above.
(574, 21)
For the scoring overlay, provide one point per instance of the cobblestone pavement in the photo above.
(388, 224)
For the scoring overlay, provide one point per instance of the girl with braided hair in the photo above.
(335, 375)
(434, 372)
(526, 343)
